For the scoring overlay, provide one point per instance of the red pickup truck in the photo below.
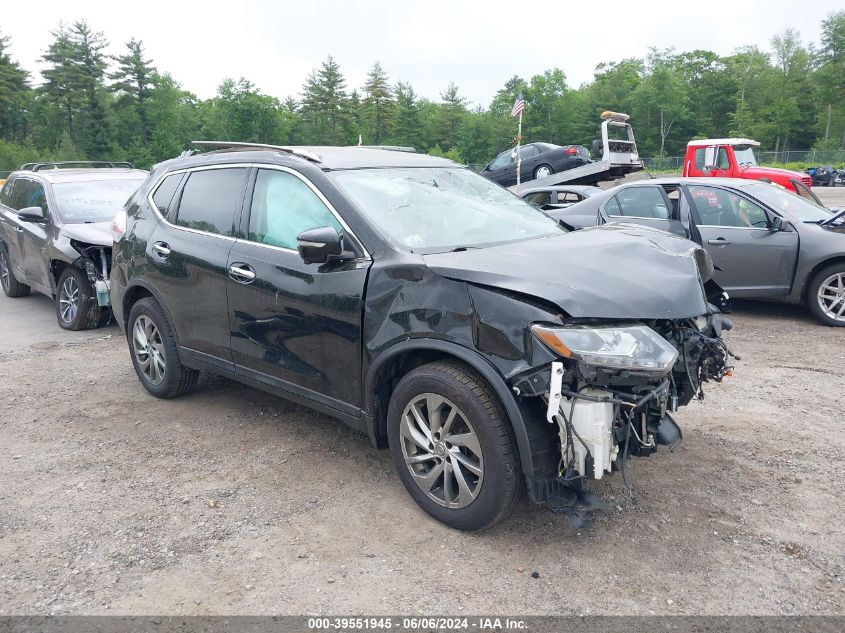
(734, 158)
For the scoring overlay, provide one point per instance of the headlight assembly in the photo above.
(634, 347)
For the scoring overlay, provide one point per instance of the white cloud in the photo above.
(479, 45)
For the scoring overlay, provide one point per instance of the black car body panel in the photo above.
(600, 273)
(337, 336)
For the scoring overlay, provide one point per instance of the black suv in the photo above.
(55, 234)
(424, 305)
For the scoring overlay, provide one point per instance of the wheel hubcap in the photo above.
(441, 450)
(148, 349)
(4, 271)
(69, 300)
(831, 296)
(543, 172)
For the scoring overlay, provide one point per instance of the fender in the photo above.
(140, 283)
(479, 364)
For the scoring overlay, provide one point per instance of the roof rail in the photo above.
(76, 163)
(228, 145)
(392, 148)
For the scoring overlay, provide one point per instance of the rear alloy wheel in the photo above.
(76, 304)
(542, 171)
(452, 445)
(154, 352)
(826, 295)
(11, 286)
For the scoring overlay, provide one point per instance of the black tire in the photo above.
(177, 379)
(813, 302)
(11, 286)
(539, 167)
(85, 314)
(500, 472)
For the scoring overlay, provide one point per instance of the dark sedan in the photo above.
(538, 161)
(765, 241)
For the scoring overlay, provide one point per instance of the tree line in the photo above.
(88, 104)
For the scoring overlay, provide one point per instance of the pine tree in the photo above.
(61, 80)
(406, 130)
(378, 104)
(133, 81)
(14, 85)
(452, 112)
(91, 64)
(332, 96)
(311, 110)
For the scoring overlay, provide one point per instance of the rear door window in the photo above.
(209, 200)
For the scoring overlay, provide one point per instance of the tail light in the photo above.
(570, 151)
(118, 225)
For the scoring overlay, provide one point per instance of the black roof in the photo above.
(331, 158)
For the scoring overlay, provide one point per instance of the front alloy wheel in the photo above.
(442, 451)
(69, 299)
(149, 350)
(452, 445)
(831, 297)
(4, 271)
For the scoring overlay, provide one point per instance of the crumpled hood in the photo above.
(617, 271)
(98, 233)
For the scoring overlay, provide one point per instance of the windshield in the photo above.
(439, 209)
(745, 157)
(782, 200)
(93, 200)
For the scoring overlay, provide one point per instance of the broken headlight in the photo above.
(633, 347)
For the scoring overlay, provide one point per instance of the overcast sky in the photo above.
(479, 45)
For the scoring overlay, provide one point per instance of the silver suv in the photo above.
(55, 234)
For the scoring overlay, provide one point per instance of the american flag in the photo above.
(519, 105)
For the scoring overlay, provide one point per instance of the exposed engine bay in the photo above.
(612, 394)
(95, 260)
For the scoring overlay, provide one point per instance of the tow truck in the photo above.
(734, 158)
(617, 152)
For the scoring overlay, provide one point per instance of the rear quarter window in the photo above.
(164, 192)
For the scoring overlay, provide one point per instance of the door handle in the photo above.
(19, 229)
(162, 248)
(719, 242)
(242, 273)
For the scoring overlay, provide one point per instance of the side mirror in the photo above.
(710, 158)
(317, 246)
(777, 224)
(31, 214)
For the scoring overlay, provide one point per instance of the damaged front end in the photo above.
(95, 260)
(612, 392)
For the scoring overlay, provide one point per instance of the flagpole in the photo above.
(518, 155)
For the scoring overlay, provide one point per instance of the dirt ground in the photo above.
(230, 501)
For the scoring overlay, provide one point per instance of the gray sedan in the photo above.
(765, 242)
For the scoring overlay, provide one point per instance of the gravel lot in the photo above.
(230, 501)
